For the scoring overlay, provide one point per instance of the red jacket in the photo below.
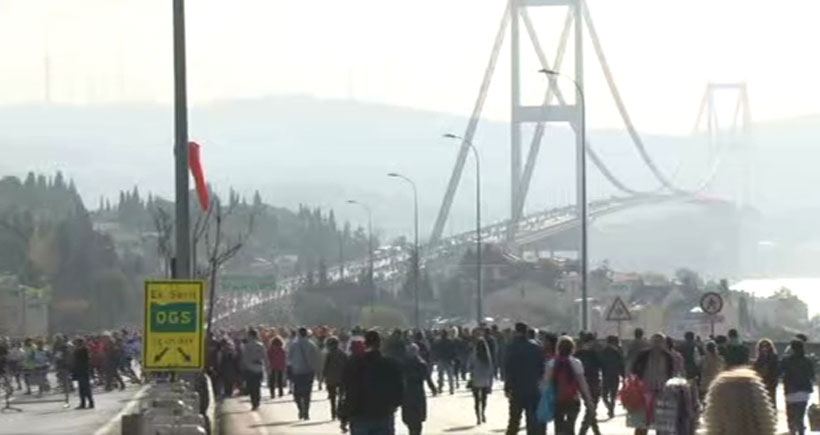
(276, 357)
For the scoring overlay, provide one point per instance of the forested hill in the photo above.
(47, 241)
(310, 236)
(90, 265)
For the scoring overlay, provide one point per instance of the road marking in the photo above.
(133, 403)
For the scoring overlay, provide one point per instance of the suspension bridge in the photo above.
(523, 231)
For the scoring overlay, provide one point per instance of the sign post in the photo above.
(174, 338)
(618, 312)
(711, 303)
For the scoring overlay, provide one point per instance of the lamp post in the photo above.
(478, 264)
(369, 248)
(416, 253)
(581, 157)
(182, 269)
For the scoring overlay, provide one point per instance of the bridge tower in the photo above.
(515, 17)
(728, 134)
(726, 113)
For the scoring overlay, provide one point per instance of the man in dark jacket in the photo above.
(523, 371)
(395, 346)
(798, 384)
(333, 371)
(612, 369)
(692, 355)
(373, 390)
(82, 373)
(445, 353)
(737, 354)
(591, 359)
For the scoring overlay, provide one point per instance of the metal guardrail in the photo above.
(184, 406)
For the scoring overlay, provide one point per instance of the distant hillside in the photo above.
(303, 150)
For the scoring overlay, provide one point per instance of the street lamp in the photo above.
(581, 157)
(479, 289)
(415, 243)
(182, 269)
(369, 248)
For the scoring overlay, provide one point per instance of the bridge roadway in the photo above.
(445, 415)
(48, 415)
(389, 262)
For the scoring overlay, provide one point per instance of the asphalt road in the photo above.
(48, 415)
(446, 415)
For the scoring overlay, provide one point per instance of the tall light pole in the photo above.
(581, 160)
(479, 289)
(416, 253)
(183, 231)
(369, 249)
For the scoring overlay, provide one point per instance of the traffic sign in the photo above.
(174, 339)
(618, 312)
(711, 303)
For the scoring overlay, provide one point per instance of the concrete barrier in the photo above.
(185, 406)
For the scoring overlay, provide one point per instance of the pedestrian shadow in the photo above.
(459, 428)
(275, 424)
(312, 423)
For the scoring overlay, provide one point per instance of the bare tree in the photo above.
(201, 227)
(224, 246)
(164, 225)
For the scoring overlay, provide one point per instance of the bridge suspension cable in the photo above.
(521, 186)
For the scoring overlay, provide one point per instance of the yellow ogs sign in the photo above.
(174, 326)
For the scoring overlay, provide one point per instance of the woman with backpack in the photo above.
(566, 375)
(653, 366)
(482, 372)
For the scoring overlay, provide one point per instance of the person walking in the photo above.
(612, 371)
(767, 367)
(638, 345)
(482, 371)
(254, 361)
(277, 362)
(303, 356)
(523, 371)
(711, 367)
(737, 403)
(445, 353)
(81, 369)
(373, 391)
(737, 354)
(654, 366)
(692, 356)
(415, 373)
(798, 382)
(591, 360)
(566, 375)
(333, 372)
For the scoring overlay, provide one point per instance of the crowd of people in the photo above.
(92, 360)
(665, 385)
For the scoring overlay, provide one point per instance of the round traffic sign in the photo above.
(711, 303)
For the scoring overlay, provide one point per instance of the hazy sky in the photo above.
(428, 54)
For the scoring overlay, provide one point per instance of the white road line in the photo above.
(112, 424)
